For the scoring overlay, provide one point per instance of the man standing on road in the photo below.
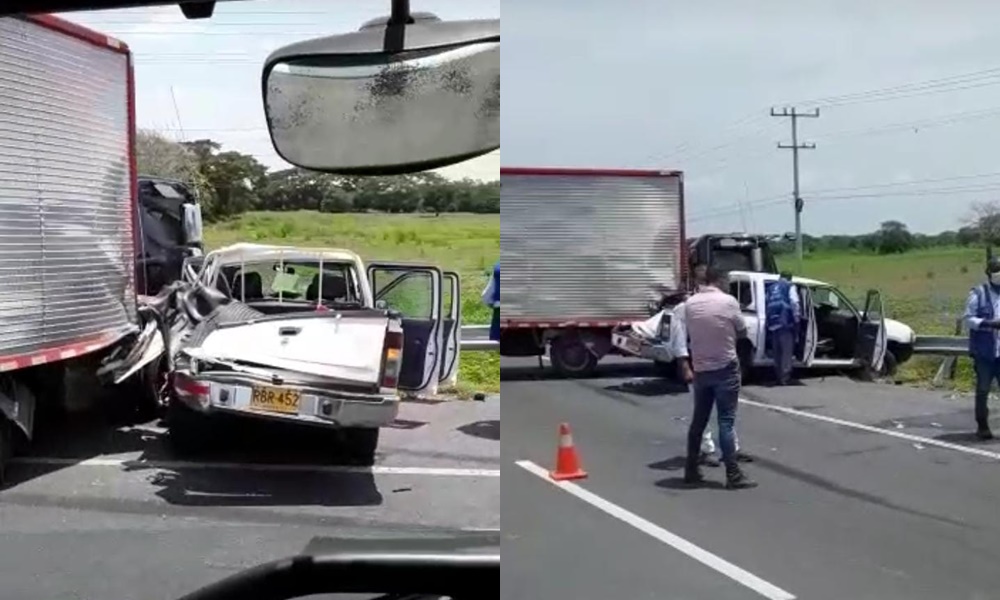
(982, 316)
(491, 298)
(712, 323)
(783, 313)
(707, 457)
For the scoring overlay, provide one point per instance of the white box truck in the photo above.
(582, 252)
(67, 214)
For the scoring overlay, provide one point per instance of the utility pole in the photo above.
(795, 146)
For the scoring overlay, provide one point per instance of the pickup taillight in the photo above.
(191, 390)
(392, 359)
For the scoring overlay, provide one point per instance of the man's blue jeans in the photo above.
(721, 389)
(783, 342)
(987, 371)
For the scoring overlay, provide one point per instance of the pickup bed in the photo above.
(308, 336)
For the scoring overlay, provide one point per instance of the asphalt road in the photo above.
(106, 512)
(867, 491)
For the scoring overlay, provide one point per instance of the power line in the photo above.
(929, 85)
(775, 201)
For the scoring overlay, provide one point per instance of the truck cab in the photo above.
(169, 224)
(733, 252)
(751, 253)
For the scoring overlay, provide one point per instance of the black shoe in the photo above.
(744, 457)
(736, 479)
(984, 434)
(693, 476)
(707, 460)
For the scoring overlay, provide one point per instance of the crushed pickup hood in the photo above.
(342, 347)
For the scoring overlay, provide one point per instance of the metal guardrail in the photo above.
(476, 338)
(941, 345)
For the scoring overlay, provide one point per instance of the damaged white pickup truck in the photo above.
(308, 336)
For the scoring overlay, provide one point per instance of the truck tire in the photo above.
(360, 445)
(668, 370)
(6, 448)
(188, 431)
(571, 358)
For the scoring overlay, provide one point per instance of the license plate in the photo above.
(272, 399)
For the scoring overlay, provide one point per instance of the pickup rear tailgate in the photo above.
(343, 347)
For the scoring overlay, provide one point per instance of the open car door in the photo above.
(872, 342)
(452, 328)
(415, 292)
(811, 334)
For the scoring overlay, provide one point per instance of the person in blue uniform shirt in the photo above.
(491, 298)
(982, 317)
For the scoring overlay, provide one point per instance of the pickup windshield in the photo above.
(292, 281)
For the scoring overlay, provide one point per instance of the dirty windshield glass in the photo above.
(161, 430)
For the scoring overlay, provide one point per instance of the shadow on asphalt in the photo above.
(818, 482)
(650, 387)
(671, 464)
(677, 483)
(605, 371)
(487, 430)
(192, 482)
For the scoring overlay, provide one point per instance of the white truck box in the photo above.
(67, 189)
(583, 251)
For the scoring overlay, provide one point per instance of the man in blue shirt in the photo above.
(783, 312)
(491, 298)
(982, 316)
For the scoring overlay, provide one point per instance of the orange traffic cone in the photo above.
(567, 461)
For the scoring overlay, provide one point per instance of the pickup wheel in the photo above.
(570, 357)
(152, 381)
(189, 433)
(360, 444)
(890, 365)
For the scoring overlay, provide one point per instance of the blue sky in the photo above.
(689, 85)
(201, 79)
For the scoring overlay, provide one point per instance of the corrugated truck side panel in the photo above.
(587, 247)
(66, 191)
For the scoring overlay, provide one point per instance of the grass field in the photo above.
(924, 289)
(466, 244)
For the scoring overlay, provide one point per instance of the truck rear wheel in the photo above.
(6, 448)
(570, 356)
(360, 444)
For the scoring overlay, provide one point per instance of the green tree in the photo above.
(893, 237)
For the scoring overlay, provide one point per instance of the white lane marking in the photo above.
(482, 529)
(230, 466)
(872, 429)
(765, 589)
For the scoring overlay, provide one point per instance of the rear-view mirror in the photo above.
(193, 226)
(387, 99)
